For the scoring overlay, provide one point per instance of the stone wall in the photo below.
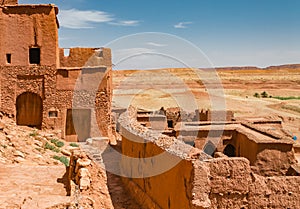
(9, 2)
(195, 181)
(40, 80)
(78, 171)
(48, 85)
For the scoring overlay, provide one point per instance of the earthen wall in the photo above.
(202, 184)
(24, 27)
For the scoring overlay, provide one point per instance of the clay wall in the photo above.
(194, 183)
(274, 159)
(155, 122)
(9, 2)
(47, 84)
(16, 80)
(172, 187)
(23, 27)
(268, 156)
(31, 61)
(93, 92)
(230, 183)
(245, 147)
(208, 115)
(94, 88)
(80, 57)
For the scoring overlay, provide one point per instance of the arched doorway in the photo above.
(230, 150)
(29, 109)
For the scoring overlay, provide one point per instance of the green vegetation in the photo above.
(62, 159)
(256, 95)
(74, 144)
(286, 98)
(264, 94)
(34, 133)
(51, 147)
(57, 142)
(38, 149)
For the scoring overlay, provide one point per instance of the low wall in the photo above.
(187, 178)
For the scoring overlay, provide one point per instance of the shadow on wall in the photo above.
(65, 181)
(119, 195)
(230, 151)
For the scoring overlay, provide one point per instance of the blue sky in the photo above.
(229, 32)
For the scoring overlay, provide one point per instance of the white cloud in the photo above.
(155, 44)
(77, 19)
(126, 23)
(182, 24)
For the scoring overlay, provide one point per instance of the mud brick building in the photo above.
(47, 87)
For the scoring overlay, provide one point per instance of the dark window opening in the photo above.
(53, 114)
(34, 55)
(63, 73)
(8, 58)
(170, 124)
(230, 150)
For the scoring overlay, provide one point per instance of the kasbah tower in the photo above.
(38, 78)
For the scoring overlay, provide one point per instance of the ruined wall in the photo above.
(193, 182)
(268, 156)
(229, 183)
(208, 115)
(80, 57)
(172, 187)
(274, 159)
(48, 85)
(92, 90)
(220, 115)
(9, 2)
(31, 61)
(23, 27)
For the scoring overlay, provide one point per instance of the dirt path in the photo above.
(32, 187)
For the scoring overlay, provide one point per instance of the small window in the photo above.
(66, 52)
(8, 58)
(53, 114)
(34, 55)
(170, 124)
(63, 73)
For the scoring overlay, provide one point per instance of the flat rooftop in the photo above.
(257, 136)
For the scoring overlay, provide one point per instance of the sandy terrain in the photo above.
(234, 87)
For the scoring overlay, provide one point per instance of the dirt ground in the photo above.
(190, 88)
(31, 178)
